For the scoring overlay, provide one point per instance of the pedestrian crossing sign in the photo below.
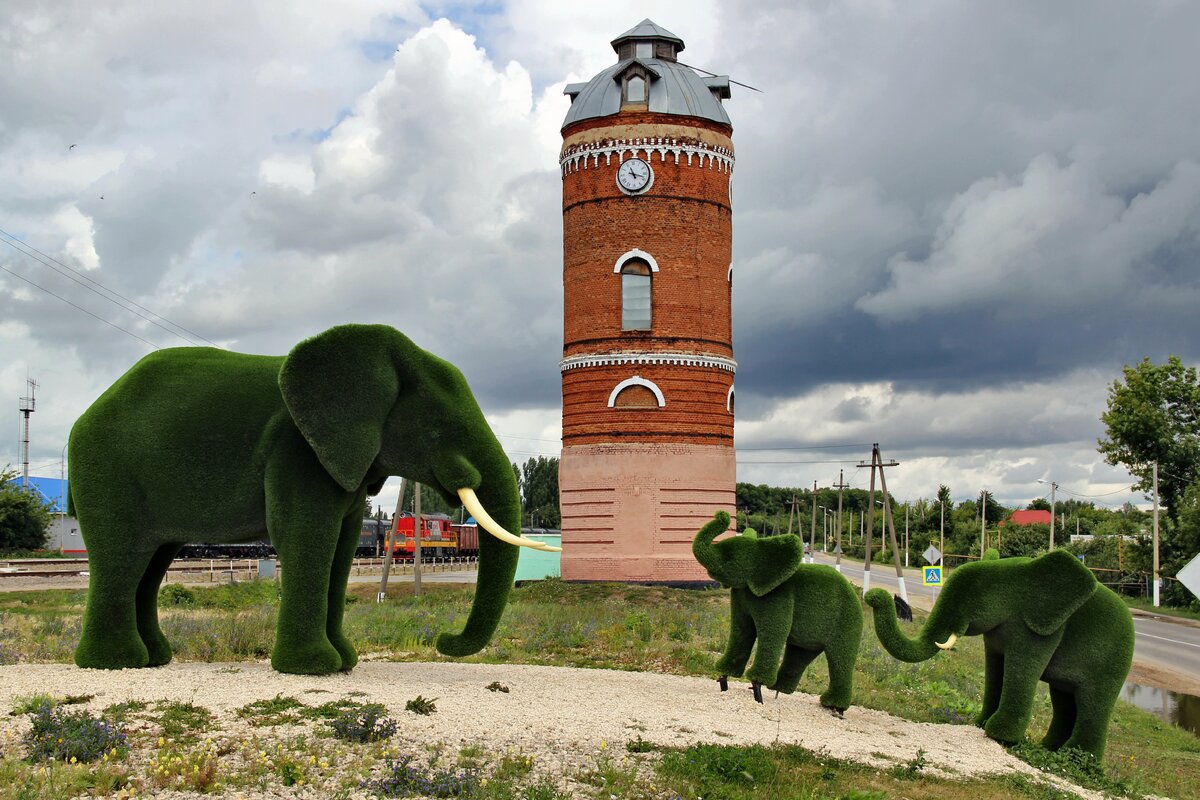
(932, 576)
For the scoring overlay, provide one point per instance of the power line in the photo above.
(81, 308)
(75, 275)
(808, 447)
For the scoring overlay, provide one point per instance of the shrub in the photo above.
(366, 726)
(419, 705)
(404, 780)
(174, 594)
(64, 736)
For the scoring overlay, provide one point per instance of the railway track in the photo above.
(235, 567)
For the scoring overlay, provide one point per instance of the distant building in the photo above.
(63, 531)
(1033, 517)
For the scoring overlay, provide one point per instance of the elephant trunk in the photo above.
(702, 545)
(498, 494)
(891, 637)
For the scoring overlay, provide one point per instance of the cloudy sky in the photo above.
(953, 222)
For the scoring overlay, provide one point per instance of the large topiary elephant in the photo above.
(1041, 618)
(796, 611)
(199, 443)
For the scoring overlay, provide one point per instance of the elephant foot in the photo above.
(346, 650)
(840, 713)
(723, 682)
(158, 649)
(757, 689)
(999, 730)
(128, 652)
(312, 659)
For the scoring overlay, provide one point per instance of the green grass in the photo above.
(1145, 604)
(617, 627)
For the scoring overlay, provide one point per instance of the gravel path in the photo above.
(564, 717)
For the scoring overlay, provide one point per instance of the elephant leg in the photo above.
(110, 637)
(147, 605)
(1093, 709)
(1012, 714)
(343, 559)
(795, 661)
(993, 681)
(1062, 722)
(841, 660)
(741, 641)
(767, 656)
(306, 551)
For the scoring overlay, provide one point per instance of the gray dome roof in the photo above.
(673, 89)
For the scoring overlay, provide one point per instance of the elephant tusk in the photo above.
(476, 509)
(949, 643)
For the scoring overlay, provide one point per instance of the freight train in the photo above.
(440, 537)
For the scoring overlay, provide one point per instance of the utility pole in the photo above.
(841, 484)
(889, 524)
(792, 514)
(417, 528)
(1156, 578)
(812, 533)
(27, 406)
(942, 560)
(389, 545)
(906, 533)
(1053, 489)
(982, 523)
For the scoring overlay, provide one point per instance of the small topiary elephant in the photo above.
(795, 611)
(1041, 618)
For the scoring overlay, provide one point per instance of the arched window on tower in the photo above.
(635, 295)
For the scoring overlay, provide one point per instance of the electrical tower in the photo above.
(27, 406)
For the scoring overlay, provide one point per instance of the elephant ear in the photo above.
(776, 559)
(339, 387)
(1058, 585)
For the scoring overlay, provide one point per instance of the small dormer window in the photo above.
(643, 50)
(635, 90)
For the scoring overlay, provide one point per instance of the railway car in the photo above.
(437, 536)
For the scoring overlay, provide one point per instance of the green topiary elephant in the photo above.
(796, 611)
(1043, 618)
(199, 443)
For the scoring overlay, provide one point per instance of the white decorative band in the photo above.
(700, 154)
(672, 359)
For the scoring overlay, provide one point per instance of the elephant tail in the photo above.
(888, 630)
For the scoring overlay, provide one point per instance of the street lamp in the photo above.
(1053, 489)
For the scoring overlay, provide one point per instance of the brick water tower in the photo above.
(647, 368)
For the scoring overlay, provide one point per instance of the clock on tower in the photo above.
(647, 368)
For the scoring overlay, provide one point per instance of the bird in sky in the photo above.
(72, 147)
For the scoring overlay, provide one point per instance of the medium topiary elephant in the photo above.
(1041, 618)
(199, 443)
(795, 611)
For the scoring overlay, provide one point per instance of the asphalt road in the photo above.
(1160, 640)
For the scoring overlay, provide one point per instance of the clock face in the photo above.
(634, 176)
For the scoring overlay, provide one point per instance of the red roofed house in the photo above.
(1035, 517)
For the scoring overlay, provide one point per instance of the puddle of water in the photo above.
(1181, 710)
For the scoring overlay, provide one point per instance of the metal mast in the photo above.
(27, 406)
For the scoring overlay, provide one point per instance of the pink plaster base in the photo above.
(630, 511)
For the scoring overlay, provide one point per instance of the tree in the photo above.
(1154, 416)
(539, 492)
(23, 517)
